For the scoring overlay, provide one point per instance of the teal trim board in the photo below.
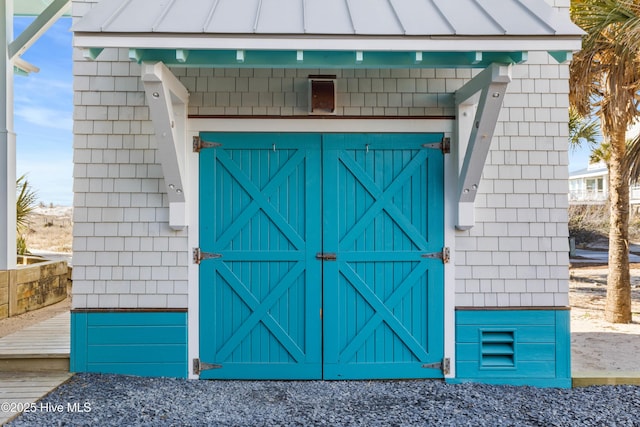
(516, 347)
(324, 59)
(130, 343)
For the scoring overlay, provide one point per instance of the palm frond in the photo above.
(26, 201)
(605, 74)
(582, 130)
(632, 159)
(601, 153)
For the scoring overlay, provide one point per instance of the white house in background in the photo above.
(590, 187)
(290, 189)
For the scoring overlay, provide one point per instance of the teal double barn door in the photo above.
(323, 262)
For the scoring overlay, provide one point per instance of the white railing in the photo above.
(600, 196)
(587, 196)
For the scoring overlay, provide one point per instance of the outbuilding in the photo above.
(336, 189)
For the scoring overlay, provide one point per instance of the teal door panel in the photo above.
(261, 300)
(269, 308)
(383, 211)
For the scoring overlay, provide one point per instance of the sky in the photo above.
(43, 104)
(43, 109)
(579, 158)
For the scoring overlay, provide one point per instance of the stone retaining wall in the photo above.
(32, 286)
(4, 293)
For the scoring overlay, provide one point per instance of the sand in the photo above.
(597, 345)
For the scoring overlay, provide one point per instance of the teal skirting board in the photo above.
(131, 343)
(517, 347)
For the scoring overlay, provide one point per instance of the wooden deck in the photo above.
(41, 347)
(18, 389)
(33, 361)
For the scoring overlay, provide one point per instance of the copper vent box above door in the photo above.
(322, 94)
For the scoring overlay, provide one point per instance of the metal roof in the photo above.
(328, 33)
(329, 17)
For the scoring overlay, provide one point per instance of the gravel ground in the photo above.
(115, 400)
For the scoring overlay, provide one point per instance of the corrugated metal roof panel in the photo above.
(229, 18)
(420, 15)
(281, 16)
(318, 13)
(549, 16)
(514, 17)
(197, 15)
(374, 17)
(467, 17)
(125, 19)
(349, 17)
(94, 20)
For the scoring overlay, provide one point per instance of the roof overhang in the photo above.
(327, 51)
(47, 12)
(588, 174)
(23, 68)
(31, 7)
(326, 43)
(38, 27)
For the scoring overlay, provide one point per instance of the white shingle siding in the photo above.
(521, 210)
(279, 92)
(126, 256)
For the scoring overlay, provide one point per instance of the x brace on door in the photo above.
(260, 313)
(260, 199)
(383, 200)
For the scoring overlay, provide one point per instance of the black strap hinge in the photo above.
(199, 256)
(444, 365)
(444, 145)
(199, 366)
(199, 144)
(445, 255)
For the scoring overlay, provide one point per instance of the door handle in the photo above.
(326, 256)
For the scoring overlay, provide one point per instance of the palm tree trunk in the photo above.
(618, 303)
